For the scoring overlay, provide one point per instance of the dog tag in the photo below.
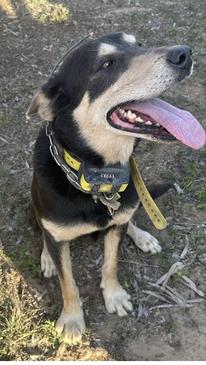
(110, 201)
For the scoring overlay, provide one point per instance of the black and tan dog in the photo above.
(100, 101)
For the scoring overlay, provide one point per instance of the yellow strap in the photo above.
(148, 203)
(71, 161)
(75, 164)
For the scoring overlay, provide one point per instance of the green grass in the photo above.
(201, 197)
(25, 260)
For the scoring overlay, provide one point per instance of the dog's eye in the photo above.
(103, 65)
(107, 64)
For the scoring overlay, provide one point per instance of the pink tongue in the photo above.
(178, 122)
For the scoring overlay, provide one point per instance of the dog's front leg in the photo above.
(71, 321)
(115, 297)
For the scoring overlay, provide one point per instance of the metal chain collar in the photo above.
(70, 175)
(107, 199)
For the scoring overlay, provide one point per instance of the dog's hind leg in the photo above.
(71, 321)
(142, 239)
(115, 297)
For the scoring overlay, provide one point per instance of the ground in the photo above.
(169, 319)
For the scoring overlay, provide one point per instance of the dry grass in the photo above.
(7, 7)
(41, 10)
(23, 333)
(46, 12)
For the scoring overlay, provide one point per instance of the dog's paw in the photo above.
(71, 326)
(47, 265)
(117, 300)
(144, 240)
(148, 243)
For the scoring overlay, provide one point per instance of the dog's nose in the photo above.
(180, 57)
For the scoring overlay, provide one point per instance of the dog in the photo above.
(98, 105)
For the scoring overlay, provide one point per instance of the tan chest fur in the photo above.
(70, 232)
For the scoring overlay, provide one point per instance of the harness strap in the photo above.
(109, 199)
(148, 203)
(86, 182)
(71, 161)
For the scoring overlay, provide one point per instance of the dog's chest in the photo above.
(66, 232)
(123, 217)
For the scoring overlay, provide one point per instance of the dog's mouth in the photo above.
(157, 120)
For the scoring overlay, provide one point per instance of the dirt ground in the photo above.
(163, 325)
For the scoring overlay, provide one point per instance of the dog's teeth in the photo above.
(129, 114)
(148, 122)
(133, 115)
(157, 124)
(139, 120)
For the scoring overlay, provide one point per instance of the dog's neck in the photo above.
(113, 147)
(96, 145)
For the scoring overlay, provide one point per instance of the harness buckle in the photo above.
(108, 180)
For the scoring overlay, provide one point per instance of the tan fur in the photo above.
(69, 289)
(71, 321)
(42, 105)
(109, 269)
(123, 217)
(120, 146)
(69, 232)
(147, 76)
(116, 298)
(130, 38)
(106, 49)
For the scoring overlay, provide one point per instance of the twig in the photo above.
(173, 270)
(185, 250)
(199, 300)
(174, 294)
(170, 306)
(170, 293)
(3, 139)
(178, 189)
(150, 292)
(190, 284)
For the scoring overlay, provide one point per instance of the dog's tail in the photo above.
(157, 190)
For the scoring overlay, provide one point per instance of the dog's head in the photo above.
(109, 88)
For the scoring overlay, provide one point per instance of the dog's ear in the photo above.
(41, 104)
(47, 101)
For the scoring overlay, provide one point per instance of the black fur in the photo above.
(54, 197)
(63, 203)
(86, 73)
